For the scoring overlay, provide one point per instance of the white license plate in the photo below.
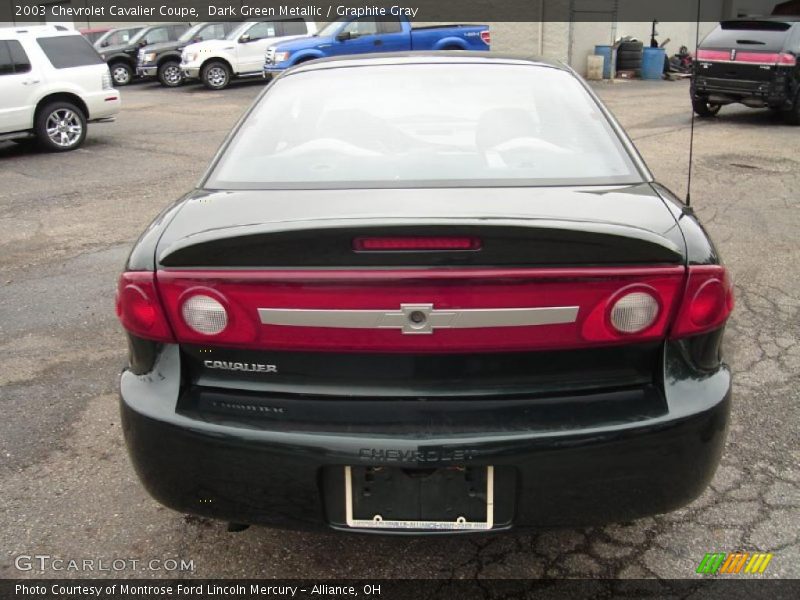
(460, 523)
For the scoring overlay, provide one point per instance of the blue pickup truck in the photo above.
(361, 35)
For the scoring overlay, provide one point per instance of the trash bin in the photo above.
(605, 52)
(653, 63)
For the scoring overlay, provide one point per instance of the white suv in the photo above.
(52, 83)
(241, 53)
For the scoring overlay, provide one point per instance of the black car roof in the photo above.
(426, 57)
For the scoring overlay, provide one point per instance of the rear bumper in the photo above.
(292, 478)
(735, 90)
(103, 105)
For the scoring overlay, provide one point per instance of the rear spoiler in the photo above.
(756, 25)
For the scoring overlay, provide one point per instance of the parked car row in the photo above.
(218, 52)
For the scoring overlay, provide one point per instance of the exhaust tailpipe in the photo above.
(720, 99)
(754, 102)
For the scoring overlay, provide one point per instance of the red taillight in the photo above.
(614, 306)
(783, 59)
(486, 36)
(644, 299)
(713, 55)
(707, 301)
(400, 244)
(139, 309)
(763, 58)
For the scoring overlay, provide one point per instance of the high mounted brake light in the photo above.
(405, 244)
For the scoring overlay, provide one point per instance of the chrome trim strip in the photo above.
(377, 522)
(418, 318)
(741, 62)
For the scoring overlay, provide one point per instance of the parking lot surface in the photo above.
(69, 491)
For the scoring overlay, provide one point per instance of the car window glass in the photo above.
(157, 35)
(214, 31)
(19, 59)
(294, 27)
(392, 26)
(65, 52)
(177, 30)
(361, 27)
(425, 125)
(6, 66)
(761, 36)
(259, 31)
(123, 36)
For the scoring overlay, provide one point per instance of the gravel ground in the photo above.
(68, 489)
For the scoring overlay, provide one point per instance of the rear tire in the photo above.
(60, 127)
(629, 56)
(792, 116)
(704, 109)
(631, 46)
(169, 74)
(121, 73)
(216, 75)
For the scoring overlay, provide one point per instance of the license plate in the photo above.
(438, 492)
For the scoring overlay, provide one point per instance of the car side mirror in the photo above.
(245, 38)
(104, 43)
(343, 36)
(143, 42)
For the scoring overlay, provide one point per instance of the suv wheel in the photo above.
(216, 75)
(60, 126)
(705, 109)
(169, 74)
(121, 73)
(792, 116)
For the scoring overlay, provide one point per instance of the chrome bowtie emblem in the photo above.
(418, 318)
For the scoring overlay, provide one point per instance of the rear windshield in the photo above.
(69, 51)
(424, 125)
(751, 35)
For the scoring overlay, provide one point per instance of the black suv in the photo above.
(163, 60)
(752, 62)
(122, 59)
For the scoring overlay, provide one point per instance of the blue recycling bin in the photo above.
(605, 52)
(653, 63)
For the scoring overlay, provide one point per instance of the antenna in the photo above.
(691, 129)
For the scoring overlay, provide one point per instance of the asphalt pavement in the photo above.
(67, 488)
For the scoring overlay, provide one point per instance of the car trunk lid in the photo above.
(520, 309)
